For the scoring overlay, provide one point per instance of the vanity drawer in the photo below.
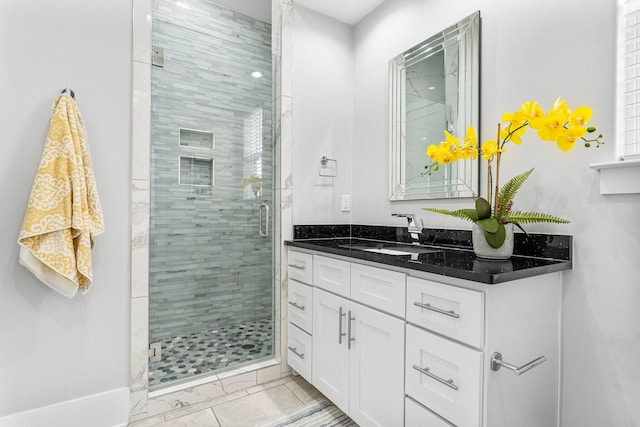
(299, 351)
(444, 376)
(378, 288)
(416, 415)
(300, 266)
(300, 305)
(455, 312)
(332, 274)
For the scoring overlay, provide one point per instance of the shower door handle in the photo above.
(264, 208)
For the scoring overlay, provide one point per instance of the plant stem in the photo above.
(489, 181)
(496, 204)
(510, 133)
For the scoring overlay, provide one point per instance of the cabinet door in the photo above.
(376, 367)
(330, 368)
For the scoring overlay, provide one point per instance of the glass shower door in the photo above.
(211, 246)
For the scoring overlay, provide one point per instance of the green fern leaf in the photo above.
(466, 214)
(532, 217)
(508, 192)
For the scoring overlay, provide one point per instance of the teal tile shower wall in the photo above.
(208, 268)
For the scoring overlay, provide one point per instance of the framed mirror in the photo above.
(434, 86)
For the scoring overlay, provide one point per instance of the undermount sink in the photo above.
(388, 251)
(396, 250)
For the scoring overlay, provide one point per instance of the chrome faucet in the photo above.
(414, 229)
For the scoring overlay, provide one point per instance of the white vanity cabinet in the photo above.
(453, 332)
(300, 314)
(399, 347)
(442, 373)
(358, 359)
(357, 350)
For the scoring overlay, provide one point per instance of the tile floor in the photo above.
(242, 408)
(209, 351)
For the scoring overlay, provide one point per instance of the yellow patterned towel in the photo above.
(64, 211)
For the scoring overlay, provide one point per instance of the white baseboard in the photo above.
(106, 409)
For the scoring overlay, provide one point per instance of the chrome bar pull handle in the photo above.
(296, 305)
(425, 371)
(264, 208)
(297, 267)
(497, 363)
(437, 310)
(340, 333)
(349, 337)
(293, 349)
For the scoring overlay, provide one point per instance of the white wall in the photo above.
(322, 118)
(530, 51)
(54, 349)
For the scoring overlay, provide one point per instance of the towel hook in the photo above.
(68, 89)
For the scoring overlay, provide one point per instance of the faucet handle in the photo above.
(401, 215)
(411, 219)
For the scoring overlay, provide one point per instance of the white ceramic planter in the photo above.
(484, 250)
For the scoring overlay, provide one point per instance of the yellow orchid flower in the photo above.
(445, 155)
(580, 116)
(560, 107)
(516, 119)
(531, 110)
(507, 134)
(451, 140)
(549, 126)
(470, 137)
(470, 147)
(489, 149)
(552, 125)
(567, 139)
(467, 151)
(432, 152)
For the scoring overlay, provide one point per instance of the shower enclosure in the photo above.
(211, 293)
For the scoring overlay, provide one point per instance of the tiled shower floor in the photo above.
(201, 352)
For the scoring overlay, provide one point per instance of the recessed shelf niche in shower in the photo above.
(195, 171)
(194, 138)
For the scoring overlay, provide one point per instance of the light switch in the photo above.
(346, 203)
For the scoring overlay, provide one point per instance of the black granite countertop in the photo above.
(444, 252)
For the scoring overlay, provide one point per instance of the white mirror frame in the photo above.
(459, 179)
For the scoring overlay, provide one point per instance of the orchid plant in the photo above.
(560, 124)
